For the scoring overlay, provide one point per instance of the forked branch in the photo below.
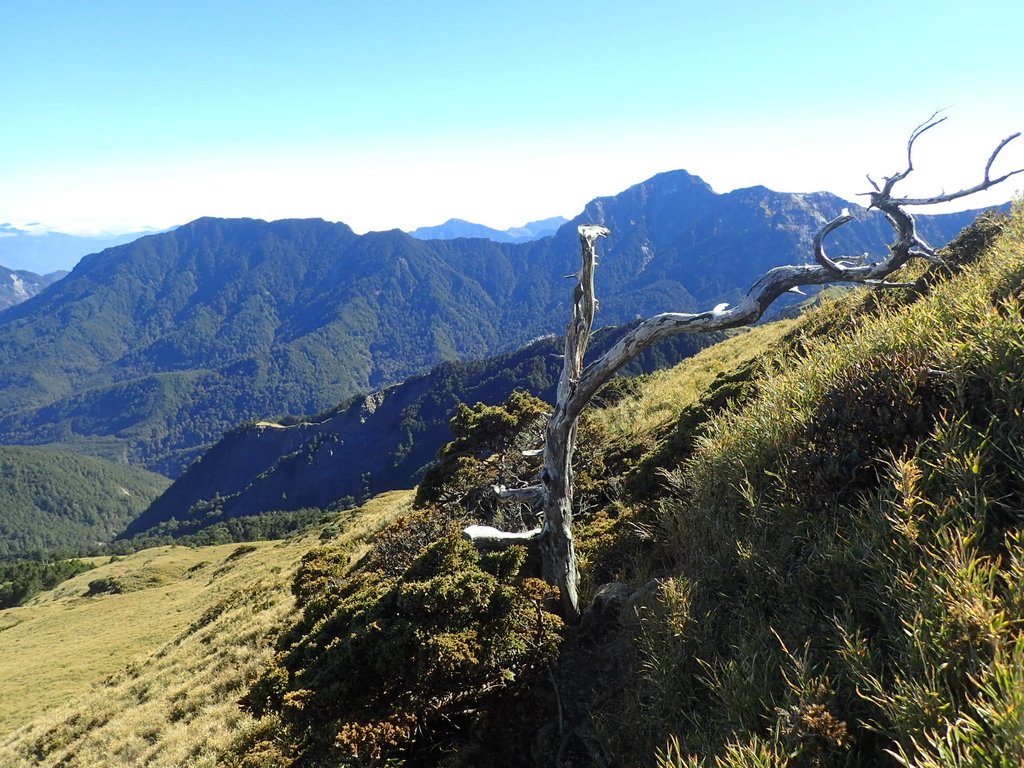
(884, 195)
(986, 182)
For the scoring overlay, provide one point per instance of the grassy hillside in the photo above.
(150, 675)
(839, 551)
(55, 500)
(801, 547)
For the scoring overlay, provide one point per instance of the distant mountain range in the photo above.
(454, 228)
(150, 351)
(30, 252)
(18, 285)
(39, 250)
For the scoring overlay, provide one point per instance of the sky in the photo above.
(128, 115)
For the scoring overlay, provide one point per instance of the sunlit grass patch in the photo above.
(665, 393)
(153, 676)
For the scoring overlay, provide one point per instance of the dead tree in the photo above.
(578, 383)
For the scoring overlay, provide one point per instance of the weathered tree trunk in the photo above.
(577, 384)
(556, 543)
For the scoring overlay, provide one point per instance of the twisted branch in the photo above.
(819, 248)
(884, 195)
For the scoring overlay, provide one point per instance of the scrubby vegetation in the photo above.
(21, 580)
(391, 660)
(210, 527)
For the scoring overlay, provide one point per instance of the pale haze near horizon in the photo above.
(121, 117)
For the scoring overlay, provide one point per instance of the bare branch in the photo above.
(890, 181)
(532, 494)
(997, 150)
(760, 296)
(927, 125)
(984, 184)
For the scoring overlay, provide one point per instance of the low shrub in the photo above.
(385, 666)
(108, 585)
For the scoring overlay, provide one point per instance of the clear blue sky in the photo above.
(121, 115)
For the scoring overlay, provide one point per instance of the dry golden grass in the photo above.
(666, 392)
(63, 640)
(152, 677)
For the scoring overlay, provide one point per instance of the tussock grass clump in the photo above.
(846, 549)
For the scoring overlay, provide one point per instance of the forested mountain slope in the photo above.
(378, 442)
(154, 349)
(57, 500)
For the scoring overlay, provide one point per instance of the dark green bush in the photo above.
(108, 585)
(20, 580)
(486, 448)
(383, 666)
